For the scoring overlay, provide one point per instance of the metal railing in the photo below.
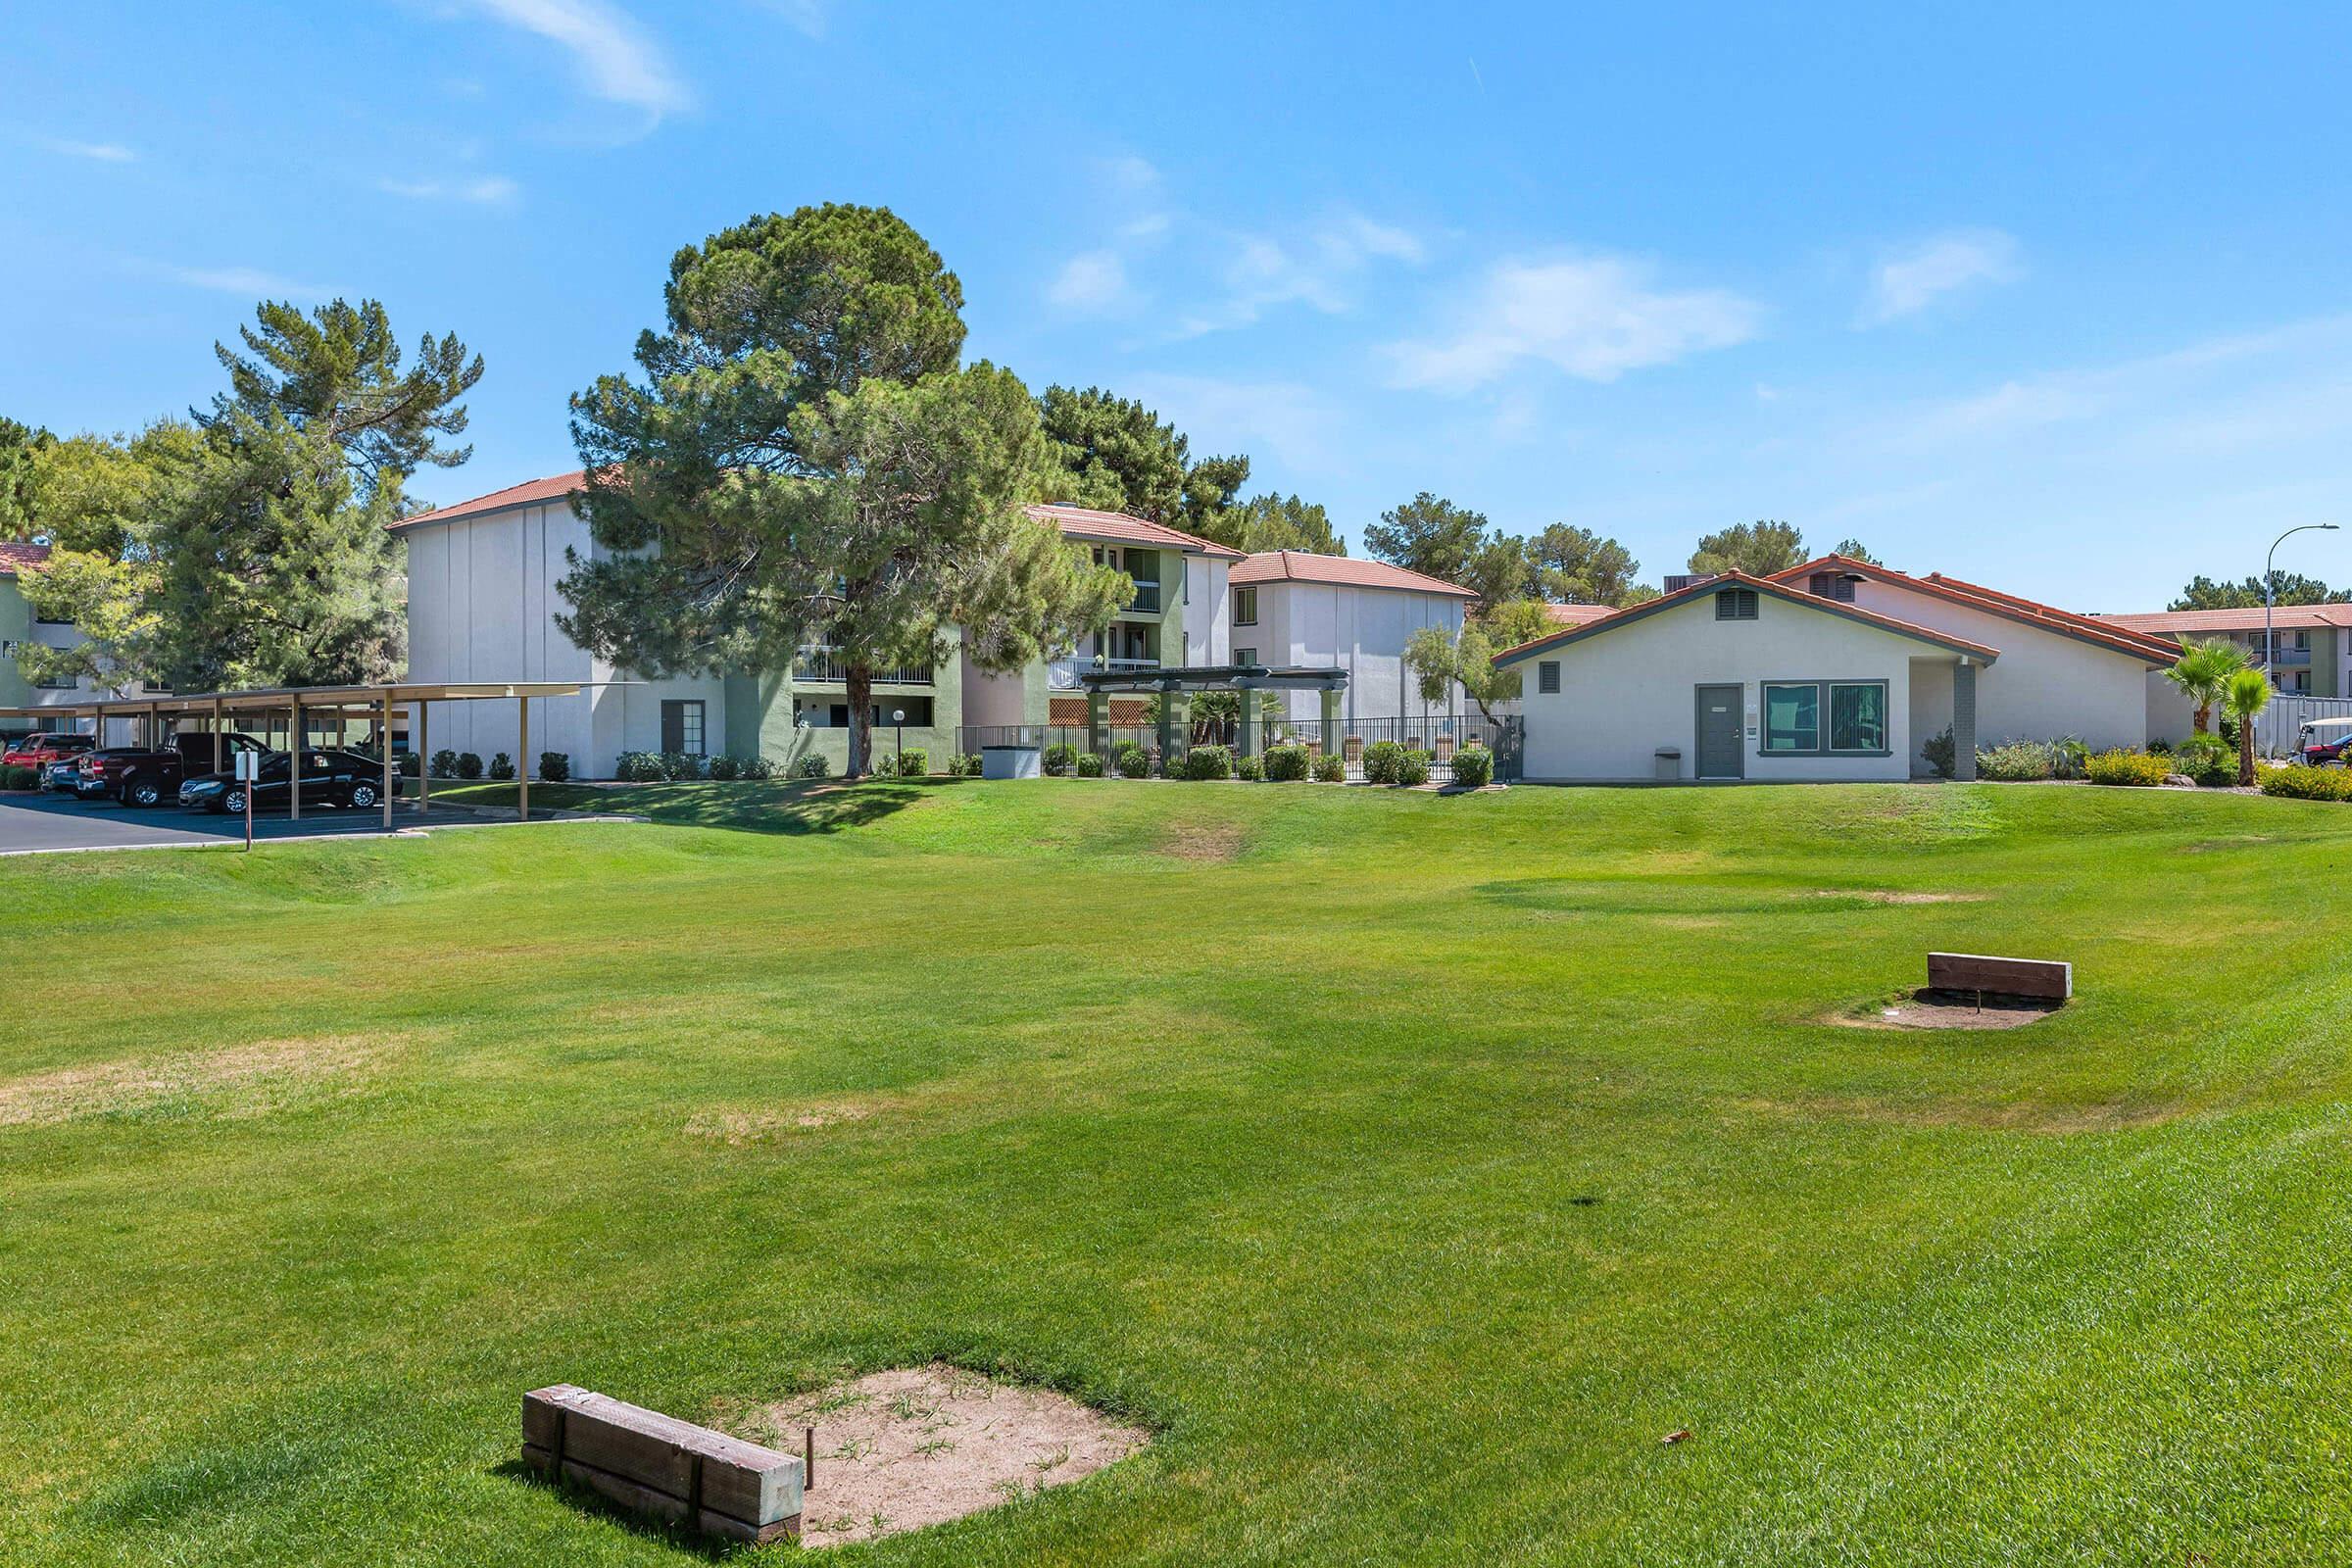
(1440, 736)
(1062, 673)
(1147, 599)
(824, 667)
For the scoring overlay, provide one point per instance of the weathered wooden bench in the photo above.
(658, 1465)
(2038, 978)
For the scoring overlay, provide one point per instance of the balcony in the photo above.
(1062, 675)
(1147, 599)
(822, 667)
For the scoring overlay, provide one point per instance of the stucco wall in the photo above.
(1361, 630)
(1627, 692)
(2044, 685)
(1208, 611)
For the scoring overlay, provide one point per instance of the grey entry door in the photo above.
(1719, 755)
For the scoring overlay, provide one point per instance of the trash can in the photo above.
(1669, 762)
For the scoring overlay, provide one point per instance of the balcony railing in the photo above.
(822, 666)
(1147, 599)
(2283, 659)
(1062, 675)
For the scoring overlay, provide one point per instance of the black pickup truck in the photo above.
(137, 776)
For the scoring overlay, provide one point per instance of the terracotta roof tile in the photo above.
(1774, 586)
(531, 492)
(1117, 527)
(2292, 617)
(1577, 615)
(2026, 612)
(1300, 566)
(14, 554)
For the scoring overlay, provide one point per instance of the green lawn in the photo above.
(1410, 1163)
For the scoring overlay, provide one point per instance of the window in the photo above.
(682, 727)
(58, 683)
(1736, 604)
(44, 620)
(1244, 607)
(1547, 675)
(1856, 718)
(1245, 656)
(1791, 717)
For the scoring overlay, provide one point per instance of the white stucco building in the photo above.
(1292, 608)
(1835, 669)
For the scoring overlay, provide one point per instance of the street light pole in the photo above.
(2269, 592)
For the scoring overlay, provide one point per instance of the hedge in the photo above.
(2303, 783)
(1208, 761)
(2142, 768)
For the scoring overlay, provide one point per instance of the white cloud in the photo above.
(617, 61)
(104, 152)
(1285, 420)
(485, 190)
(1592, 317)
(1912, 280)
(250, 281)
(808, 16)
(1090, 282)
(1320, 267)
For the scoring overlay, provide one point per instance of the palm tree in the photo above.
(2203, 672)
(2243, 699)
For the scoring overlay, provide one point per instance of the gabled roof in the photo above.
(529, 493)
(14, 554)
(1992, 602)
(1577, 615)
(2283, 617)
(1769, 586)
(1118, 529)
(1300, 565)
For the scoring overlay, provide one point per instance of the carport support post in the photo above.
(387, 740)
(1245, 735)
(1964, 721)
(1331, 722)
(425, 756)
(1167, 727)
(294, 759)
(522, 759)
(218, 755)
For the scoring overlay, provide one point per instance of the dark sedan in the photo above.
(329, 779)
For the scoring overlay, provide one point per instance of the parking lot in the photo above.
(36, 823)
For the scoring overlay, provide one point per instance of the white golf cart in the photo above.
(2324, 741)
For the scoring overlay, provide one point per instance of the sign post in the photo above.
(249, 774)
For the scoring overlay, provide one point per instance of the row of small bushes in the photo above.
(2301, 782)
(554, 767)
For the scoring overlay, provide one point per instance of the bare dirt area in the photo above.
(253, 1077)
(1893, 896)
(1209, 841)
(741, 1128)
(1937, 1009)
(919, 1446)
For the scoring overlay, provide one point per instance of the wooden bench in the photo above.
(2038, 978)
(657, 1464)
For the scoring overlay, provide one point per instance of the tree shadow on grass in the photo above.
(692, 1543)
(793, 807)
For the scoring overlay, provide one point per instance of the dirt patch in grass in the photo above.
(739, 1129)
(253, 1078)
(1937, 1009)
(1899, 896)
(920, 1445)
(1202, 841)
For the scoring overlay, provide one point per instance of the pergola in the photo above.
(300, 702)
(1178, 681)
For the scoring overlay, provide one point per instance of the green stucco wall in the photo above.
(758, 713)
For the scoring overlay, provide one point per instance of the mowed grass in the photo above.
(1410, 1164)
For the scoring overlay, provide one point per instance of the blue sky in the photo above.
(2055, 298)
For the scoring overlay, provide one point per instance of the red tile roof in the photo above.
(14, 555)
(1773, 586)
(1577, 615)
(529, 493)
(2289, 617)
(1299, 565)
(1117, 527)
(1992, 600)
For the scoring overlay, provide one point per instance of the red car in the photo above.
(40, 750)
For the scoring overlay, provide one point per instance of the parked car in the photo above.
(40, 750)
(137, 775)
(329, 779)
(60, 775)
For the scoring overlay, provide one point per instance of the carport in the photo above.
(310, 703)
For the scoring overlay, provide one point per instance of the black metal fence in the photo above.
(1440, 735)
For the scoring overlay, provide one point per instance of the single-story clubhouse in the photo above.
(1837, 669)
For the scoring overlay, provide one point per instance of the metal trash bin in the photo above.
(1669, 763)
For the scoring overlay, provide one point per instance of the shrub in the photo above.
(683, 765)
(2015, 762)
(2300, 782)
(1940, 753)
(445, 763)
(1133, 762)
(1088, 765)
(468, 765)
(1208, 761)
(812, 764)
(410, 764)
(913, 763)
(637, 768)
(2206, 759)
(1287, 764)
(2068, 756)
(502, 766)
(756, 767)
(724, 767)
(1059, 760)
(1474, 768)
(1332, 768)
(555, 767)
(18, 779)
(2142, 768)
(972, 762)
(1411, 768)
(1380, 761)
(1253, 768)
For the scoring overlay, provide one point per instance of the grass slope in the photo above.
(1411, 1164)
